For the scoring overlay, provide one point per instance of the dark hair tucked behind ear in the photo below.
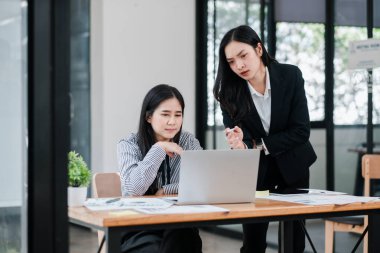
(229, 88)
(152, 100)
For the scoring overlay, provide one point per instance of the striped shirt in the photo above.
(137, 173)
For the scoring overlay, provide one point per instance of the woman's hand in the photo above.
(235, 138)
(160, 192)
(171, 148)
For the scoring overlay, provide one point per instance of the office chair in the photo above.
(105, 185)
(355, 224)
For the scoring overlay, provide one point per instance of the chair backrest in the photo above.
(370, 170)
(106, 184)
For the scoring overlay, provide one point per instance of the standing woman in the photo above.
(149, 164)
(264, 106)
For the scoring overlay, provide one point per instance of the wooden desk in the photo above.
(262, 210)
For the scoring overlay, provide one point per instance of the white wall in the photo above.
(136, 44)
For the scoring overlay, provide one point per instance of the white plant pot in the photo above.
(76, 196)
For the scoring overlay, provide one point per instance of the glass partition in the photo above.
(80, 79)
(302, 44)
(80, 118)
(13, 76)
(351, 110)
(350, 91)
(222, 16)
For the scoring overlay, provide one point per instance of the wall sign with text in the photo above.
(364, 54)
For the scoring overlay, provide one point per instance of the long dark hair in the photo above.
(154, 97)
(230, 90)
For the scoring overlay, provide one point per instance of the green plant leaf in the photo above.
(78, 173)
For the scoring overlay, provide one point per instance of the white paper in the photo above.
(171, 199)
(183, 209)
(318, 191)
(321, 199)
(99, 204)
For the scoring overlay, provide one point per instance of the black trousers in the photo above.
(185, 240)
(254, 234)
(254, 237)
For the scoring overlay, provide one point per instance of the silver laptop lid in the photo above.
(218, 176)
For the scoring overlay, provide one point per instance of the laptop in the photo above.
(218, 176)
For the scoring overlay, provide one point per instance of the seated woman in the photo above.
(149, 164)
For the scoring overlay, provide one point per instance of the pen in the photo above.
(112, 200)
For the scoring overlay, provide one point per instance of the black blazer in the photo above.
(289, 131)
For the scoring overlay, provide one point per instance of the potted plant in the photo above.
(79, 177)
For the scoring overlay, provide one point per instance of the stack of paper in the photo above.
(148, 205)
(321, 198)
(125, 203)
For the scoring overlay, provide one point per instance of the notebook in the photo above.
(218, 176)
